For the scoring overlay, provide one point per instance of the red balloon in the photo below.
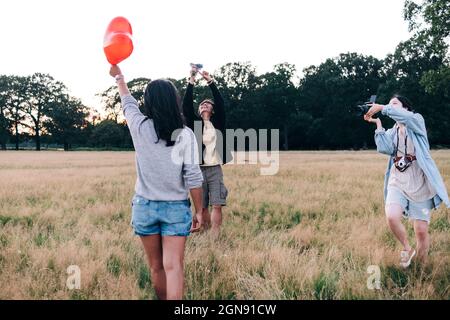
(117, 43)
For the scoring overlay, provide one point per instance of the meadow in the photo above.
(309, 232)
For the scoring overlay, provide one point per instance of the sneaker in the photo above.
(406, 257)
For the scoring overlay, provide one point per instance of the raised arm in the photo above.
(413, 121)
(188, 101)
(218, 100)
(129, 104)
(188, 106)
(219, 106)
(116, 73)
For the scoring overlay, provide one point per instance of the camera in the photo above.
(198, 66)
(362, 109)
(403, 163)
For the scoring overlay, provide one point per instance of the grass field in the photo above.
(310, 232)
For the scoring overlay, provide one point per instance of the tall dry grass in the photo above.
(310, 232)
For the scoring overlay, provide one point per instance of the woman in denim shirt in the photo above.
(413, 185)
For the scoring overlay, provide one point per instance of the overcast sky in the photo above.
(65, 38)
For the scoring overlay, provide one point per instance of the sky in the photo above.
(65, 38)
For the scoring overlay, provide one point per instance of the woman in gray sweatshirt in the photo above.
(167, 169)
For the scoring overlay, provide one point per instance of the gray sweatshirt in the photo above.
(163, 173)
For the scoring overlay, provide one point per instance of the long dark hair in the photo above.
(405, 102)
(162, 104)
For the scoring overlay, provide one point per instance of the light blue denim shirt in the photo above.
(415, 128)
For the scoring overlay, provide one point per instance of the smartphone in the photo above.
(373, 98)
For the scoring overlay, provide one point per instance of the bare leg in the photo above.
(216, 219)
(423, 239)
(153, 250)
(173, 259)
(394, 215)
(206, 218)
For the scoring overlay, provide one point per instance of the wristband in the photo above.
(119, 77)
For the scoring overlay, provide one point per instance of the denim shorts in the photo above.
(167, 218)
(412, 210)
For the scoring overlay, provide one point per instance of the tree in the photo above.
(5, 124)
(430, 22)
(238, 83)
(437, 82)
(278, 99)
(41, 91)
(4, 127)
(429, 17)
(13, 96)
(66, 119)
(328, 93)
(108, 134)
(419, 67)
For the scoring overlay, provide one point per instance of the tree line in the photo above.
(314, 111)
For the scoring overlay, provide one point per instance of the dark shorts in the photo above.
(214, 190)
(167, 218)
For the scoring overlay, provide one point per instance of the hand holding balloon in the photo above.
(115, 71)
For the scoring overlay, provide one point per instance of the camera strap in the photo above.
(398, 141)
(408, 159)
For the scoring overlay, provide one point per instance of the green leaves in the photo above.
(40, 104)
(66, 119)
(429, 16)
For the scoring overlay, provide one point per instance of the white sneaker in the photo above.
(406, 257)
